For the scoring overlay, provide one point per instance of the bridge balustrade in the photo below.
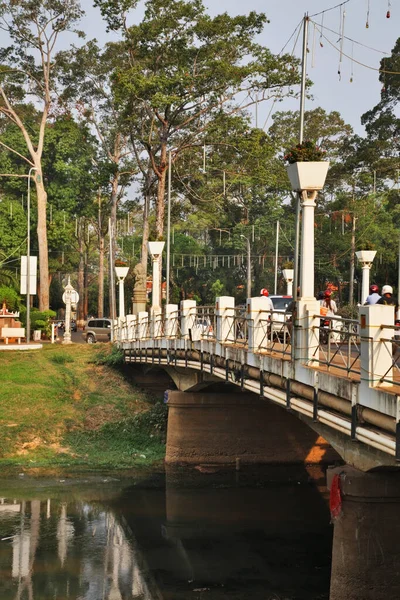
(356, 360)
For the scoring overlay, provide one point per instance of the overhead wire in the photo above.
(358, 62)
(298, 29)
(329, 9)
(324, 27)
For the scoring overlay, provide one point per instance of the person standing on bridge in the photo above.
(329, 304)
(374, 295)
(388, 299)
(265, 293)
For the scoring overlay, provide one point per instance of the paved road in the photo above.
(76, 337)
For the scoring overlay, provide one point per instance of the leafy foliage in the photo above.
(305, 152)
(9, 297)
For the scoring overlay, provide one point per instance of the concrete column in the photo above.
(376, 354)
(171, 320)
(257, 314)
(155, 250)
(156, 329)
(225, 316)
(222, 427)
(307, 246)
(307, 335)
(131, 327)
(288, 275)
(188, 316)
(143, 322)
(365, 258)
(366, 549)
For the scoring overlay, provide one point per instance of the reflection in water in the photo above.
(78, 550)
(223, 536)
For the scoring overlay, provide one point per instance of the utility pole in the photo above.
(296, 278)
(276, 258)
(352, 254)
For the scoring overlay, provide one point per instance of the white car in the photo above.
(280, 314)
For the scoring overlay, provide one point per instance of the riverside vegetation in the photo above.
(72, 406)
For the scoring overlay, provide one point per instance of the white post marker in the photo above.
(171, 320)
(225, 315)
(70, 296)
(257, 314)
(188, 316)
(376, 353)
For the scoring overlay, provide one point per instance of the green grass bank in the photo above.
(72, 406)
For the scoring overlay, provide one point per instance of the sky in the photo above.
(351, 99)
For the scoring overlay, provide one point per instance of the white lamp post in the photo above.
(155, 249)
(121, 273)
(365, 258)
(288, 277)
(70, 295)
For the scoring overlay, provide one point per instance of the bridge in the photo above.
(342, 382)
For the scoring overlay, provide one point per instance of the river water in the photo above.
(255, 535)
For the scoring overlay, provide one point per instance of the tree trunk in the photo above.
(113, 245)
(160, 206)
(146, 212)
(100, 300)
(42, 242)
(81, 268)
(85, 307)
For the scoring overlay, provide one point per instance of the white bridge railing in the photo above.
(354, 359)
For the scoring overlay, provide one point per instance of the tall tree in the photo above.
(181, 68)
(27, 72)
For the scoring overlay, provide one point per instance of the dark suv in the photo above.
(98, 330)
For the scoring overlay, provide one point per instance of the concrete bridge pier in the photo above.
(366, 541)
(238, 428)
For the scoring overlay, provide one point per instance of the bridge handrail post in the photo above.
(256, 313)
(307, 334)
(171, 320)
(225, 316)
(131, 327)
(188, 317)
(376, 352)
(156, 330)
(121, 328)
(143, 322)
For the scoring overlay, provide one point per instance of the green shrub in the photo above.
(110, 358)
(9, 297)
(42, 320)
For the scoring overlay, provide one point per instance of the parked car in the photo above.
(280, 314)
(202, 328)
(98, 330)
(74, 326)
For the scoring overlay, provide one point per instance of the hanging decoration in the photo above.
(352, 63)
(388, 10)
(367, 22)
(342, 13)
(322, 31)
(313, 48)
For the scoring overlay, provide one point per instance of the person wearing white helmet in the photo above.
(387, 297)
(268, 302)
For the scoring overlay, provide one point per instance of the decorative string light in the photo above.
(322, 29)
(313, 49)
(368, 7)
(352, 63)
(388, 10)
